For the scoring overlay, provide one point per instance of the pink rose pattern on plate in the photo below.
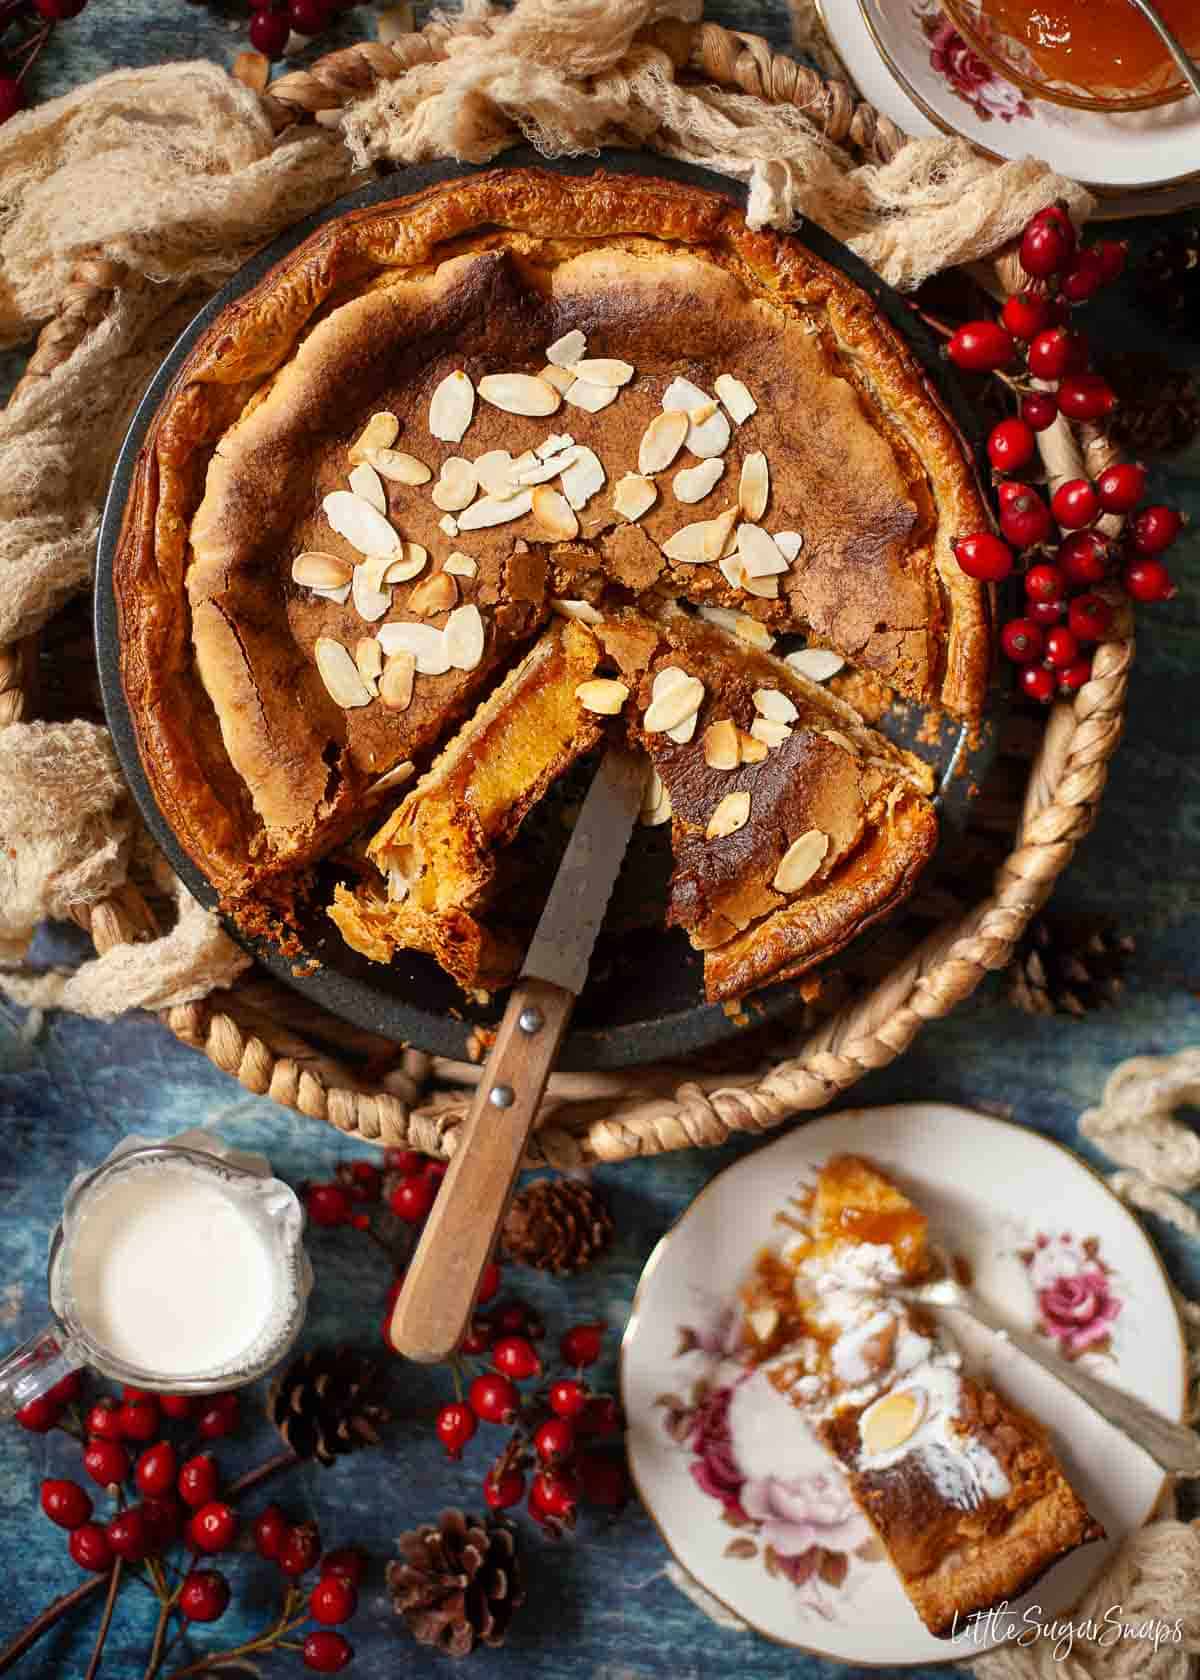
(1077, 1303)
(970, 77)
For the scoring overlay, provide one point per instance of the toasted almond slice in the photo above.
(568, 349)
(451, 407)
(709, 436)
(541, 472)
(340, 674)
(840, 740)
(368, 657)
(363, 526)
(669, 677)
(448, 524)
(893, 1419)
(370, 600)
(519, 393)
(721, 745)
(604, 370)
(411, 566)
(683, 732)
(493, 510)
(634, 496)
(554, 445)
(316, 570)
(680, 702)
(434, 595)
(661, 441)
(396, 683)
(591, 398)
(457, 485)
(426, 644)
(765, 588)
(554, 514)
(789, 543)
(704, 411)
(732, 571)
(737, 399)
(562, 379)
(773, 703)
(338, 596)
(688, 544)
(692, 484)
(397, 467)
(817, 664)
(750, 749)
(681, 396)
(461, 565)
(754, 486)
(380, 432)
(770, 731)
(729, 814)
(464, 637)
(801, 861)
(366, 482)
(754, 634)
(656, 801)
(724, 617)
(720, 529)
(582, 476)
(759, 555)
(393, 778)
(583, 611)
(603, 695)
(763, 1323)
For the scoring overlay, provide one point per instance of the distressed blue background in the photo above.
(599, 1604)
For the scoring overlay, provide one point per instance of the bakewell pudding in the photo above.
(962, 1488)
(478, 479)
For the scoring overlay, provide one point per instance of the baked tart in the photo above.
(457, 448)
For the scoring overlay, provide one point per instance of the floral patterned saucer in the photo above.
(747, 1500)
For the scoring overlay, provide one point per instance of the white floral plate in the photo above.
(750, 1504)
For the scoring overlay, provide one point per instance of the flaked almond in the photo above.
(789, 543)
(694, 544)
(582, 611)
(396, 683)
(554, 445)
(604, 695)
(763, 1323)
(765, 588)
(519, 393)
(703, 412)
(433, 595)
(683, 732)
(737, 399)
(464, 637)
(426, 644)
(753, 633)
(409, 566)
(678, 703)
(591, 398)
(340, 674)
(561, 378)
(582, 476)
(366, 482)
(661, 441)
(892, 1420)
(721, 745)
(461, 565)
(493, 510)
(542, 471)
(773, 703)
(368, 657)
(817, 664)
(669, 677)
(451, 407)
(720, 529)
(603, 370)
(681, 396)
(554, 514)
(371, 599)
(494, 470)
(315, 570)
(709, 436)
(634, 496)
(393, 778)
(380, 432)
(567, 350)
(363, 526)
(448, 524)
(338, 596)
(759, 555)
(770, 731)
(729, 814)
(397, 467)
(754, 486)
(656, 801)
(801, 861)
(457, 485)
(750, 749)
(694, 483)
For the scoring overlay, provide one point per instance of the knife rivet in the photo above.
(531, 1020)
(501, 1096)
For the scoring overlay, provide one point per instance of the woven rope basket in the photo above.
(278, 1044)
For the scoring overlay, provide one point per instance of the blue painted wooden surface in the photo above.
(599, 1604)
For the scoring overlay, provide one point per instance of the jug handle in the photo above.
(34, 1368)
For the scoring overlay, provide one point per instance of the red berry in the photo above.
(1148, 580)
(1088, 618)
(139, 1419)
(1156, 528)
(198, 1480)
(567, 1397)
(156, 1469)
(327, 1204)
(38, 1416)
(516, 1358)
(1086, 396)
(1039, 410)
(1025, 519)
(983, 556)
(163, 1519)
(489, 1283)
(1111, 255)
(300, 1550)
(128, 1536)
(1084, 278)
(582, 1344)
(515, 1319)
(1044, 582)
(1047, 244)
(1037, 682)
(204, 1595)
(268, 1530)
(66, 1390)
(603, 1480)
(980, 346)
(177, 1406)
(493, 1398)
(412, 1198)
(1011, 446)
(456, 1423)
(103, 1421)
(333, 1600)
(554, 1440)
(219, 1417)
(128, 1392)
(214, 1527)
(65, 1503)
(478, 1338)
(404, 1161)
(1074, 676)
(346, 1561)
(308, 17)
(1022, 641)
(1025, 314)
(1061, 648)
(106, 1462)
(1046, 612)
(601, 1416)
(1122, 487)
(1074, 504)
(502, 1492)
(89, 1547)
(58, 11)
(326, 1652)
(1083, 557)
(1052, 353)
(269, 33)
(368, 1180)
(552, 1493)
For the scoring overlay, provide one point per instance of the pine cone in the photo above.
(1158, 409)
(1066, 965)
(457, 1582)
(1167, 279)
(558, 1225)
(325, 1403)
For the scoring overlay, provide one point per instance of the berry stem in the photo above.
(160, 1635)
(260, 1474)
(53, 1613)
(110, 1604)
(287, 1621)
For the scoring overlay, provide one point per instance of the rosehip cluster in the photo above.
(295, 1549)
(274, 21)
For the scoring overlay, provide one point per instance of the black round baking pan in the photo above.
(644, 1000)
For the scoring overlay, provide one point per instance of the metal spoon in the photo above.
(1172, 43)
